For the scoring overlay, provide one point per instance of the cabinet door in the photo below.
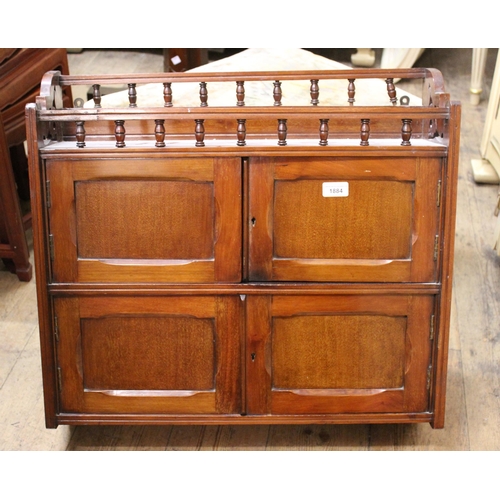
(145, 220)
(343, 219)
(149, 354)
(338, 354)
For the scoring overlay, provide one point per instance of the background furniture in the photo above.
(477, 75)
(406, 58)
(487, 168)
(285, 264)
(21, 71)
(13, 245)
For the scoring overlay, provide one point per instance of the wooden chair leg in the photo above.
(20, 169)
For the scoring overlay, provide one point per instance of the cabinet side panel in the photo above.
(447, 250)
(41, 253)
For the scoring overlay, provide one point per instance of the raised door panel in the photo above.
(149, 355)
(145, 220)
(343, 219)
(339, 354)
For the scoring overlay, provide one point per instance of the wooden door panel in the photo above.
(318, 352)
(137, 355)
(331, 228)
(146, 220)
(148, 353)
(179, 229)
(343, 353)
(381, 228)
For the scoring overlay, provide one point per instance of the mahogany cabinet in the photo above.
(239, 280)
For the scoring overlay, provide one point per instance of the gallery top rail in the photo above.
(53, 83)
(138, 78)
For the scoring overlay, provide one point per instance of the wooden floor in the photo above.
(473, 402)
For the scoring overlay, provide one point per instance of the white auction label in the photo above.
(175, 60)
(335, 189)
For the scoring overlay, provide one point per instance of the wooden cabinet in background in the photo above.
(20, 73)
(234, 282)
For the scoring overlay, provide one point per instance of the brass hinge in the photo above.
(51, 246)
(431, 336)
(56, 329)
(59, 378)
(429, 375)
(48, 197)
(439, 193)
(436, 246)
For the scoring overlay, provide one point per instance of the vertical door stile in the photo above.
(258, 371)
(245, 190)
(227, 192)
(229, 370)
(261, 193)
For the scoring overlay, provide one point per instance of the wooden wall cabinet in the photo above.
(233, 284)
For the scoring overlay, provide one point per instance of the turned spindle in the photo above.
(351, 91)
(120, 133)
(80, 134)
(282, 129)
(277, 93)
(314, 92)
(323, 131)
(199, 133)
(391, 90)
(97, 95)
(406, 132)
(203, 95)
(365, 132)
(160, 133)
(240, 93)
(241, 132)
(167, 94)
(132, 95)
